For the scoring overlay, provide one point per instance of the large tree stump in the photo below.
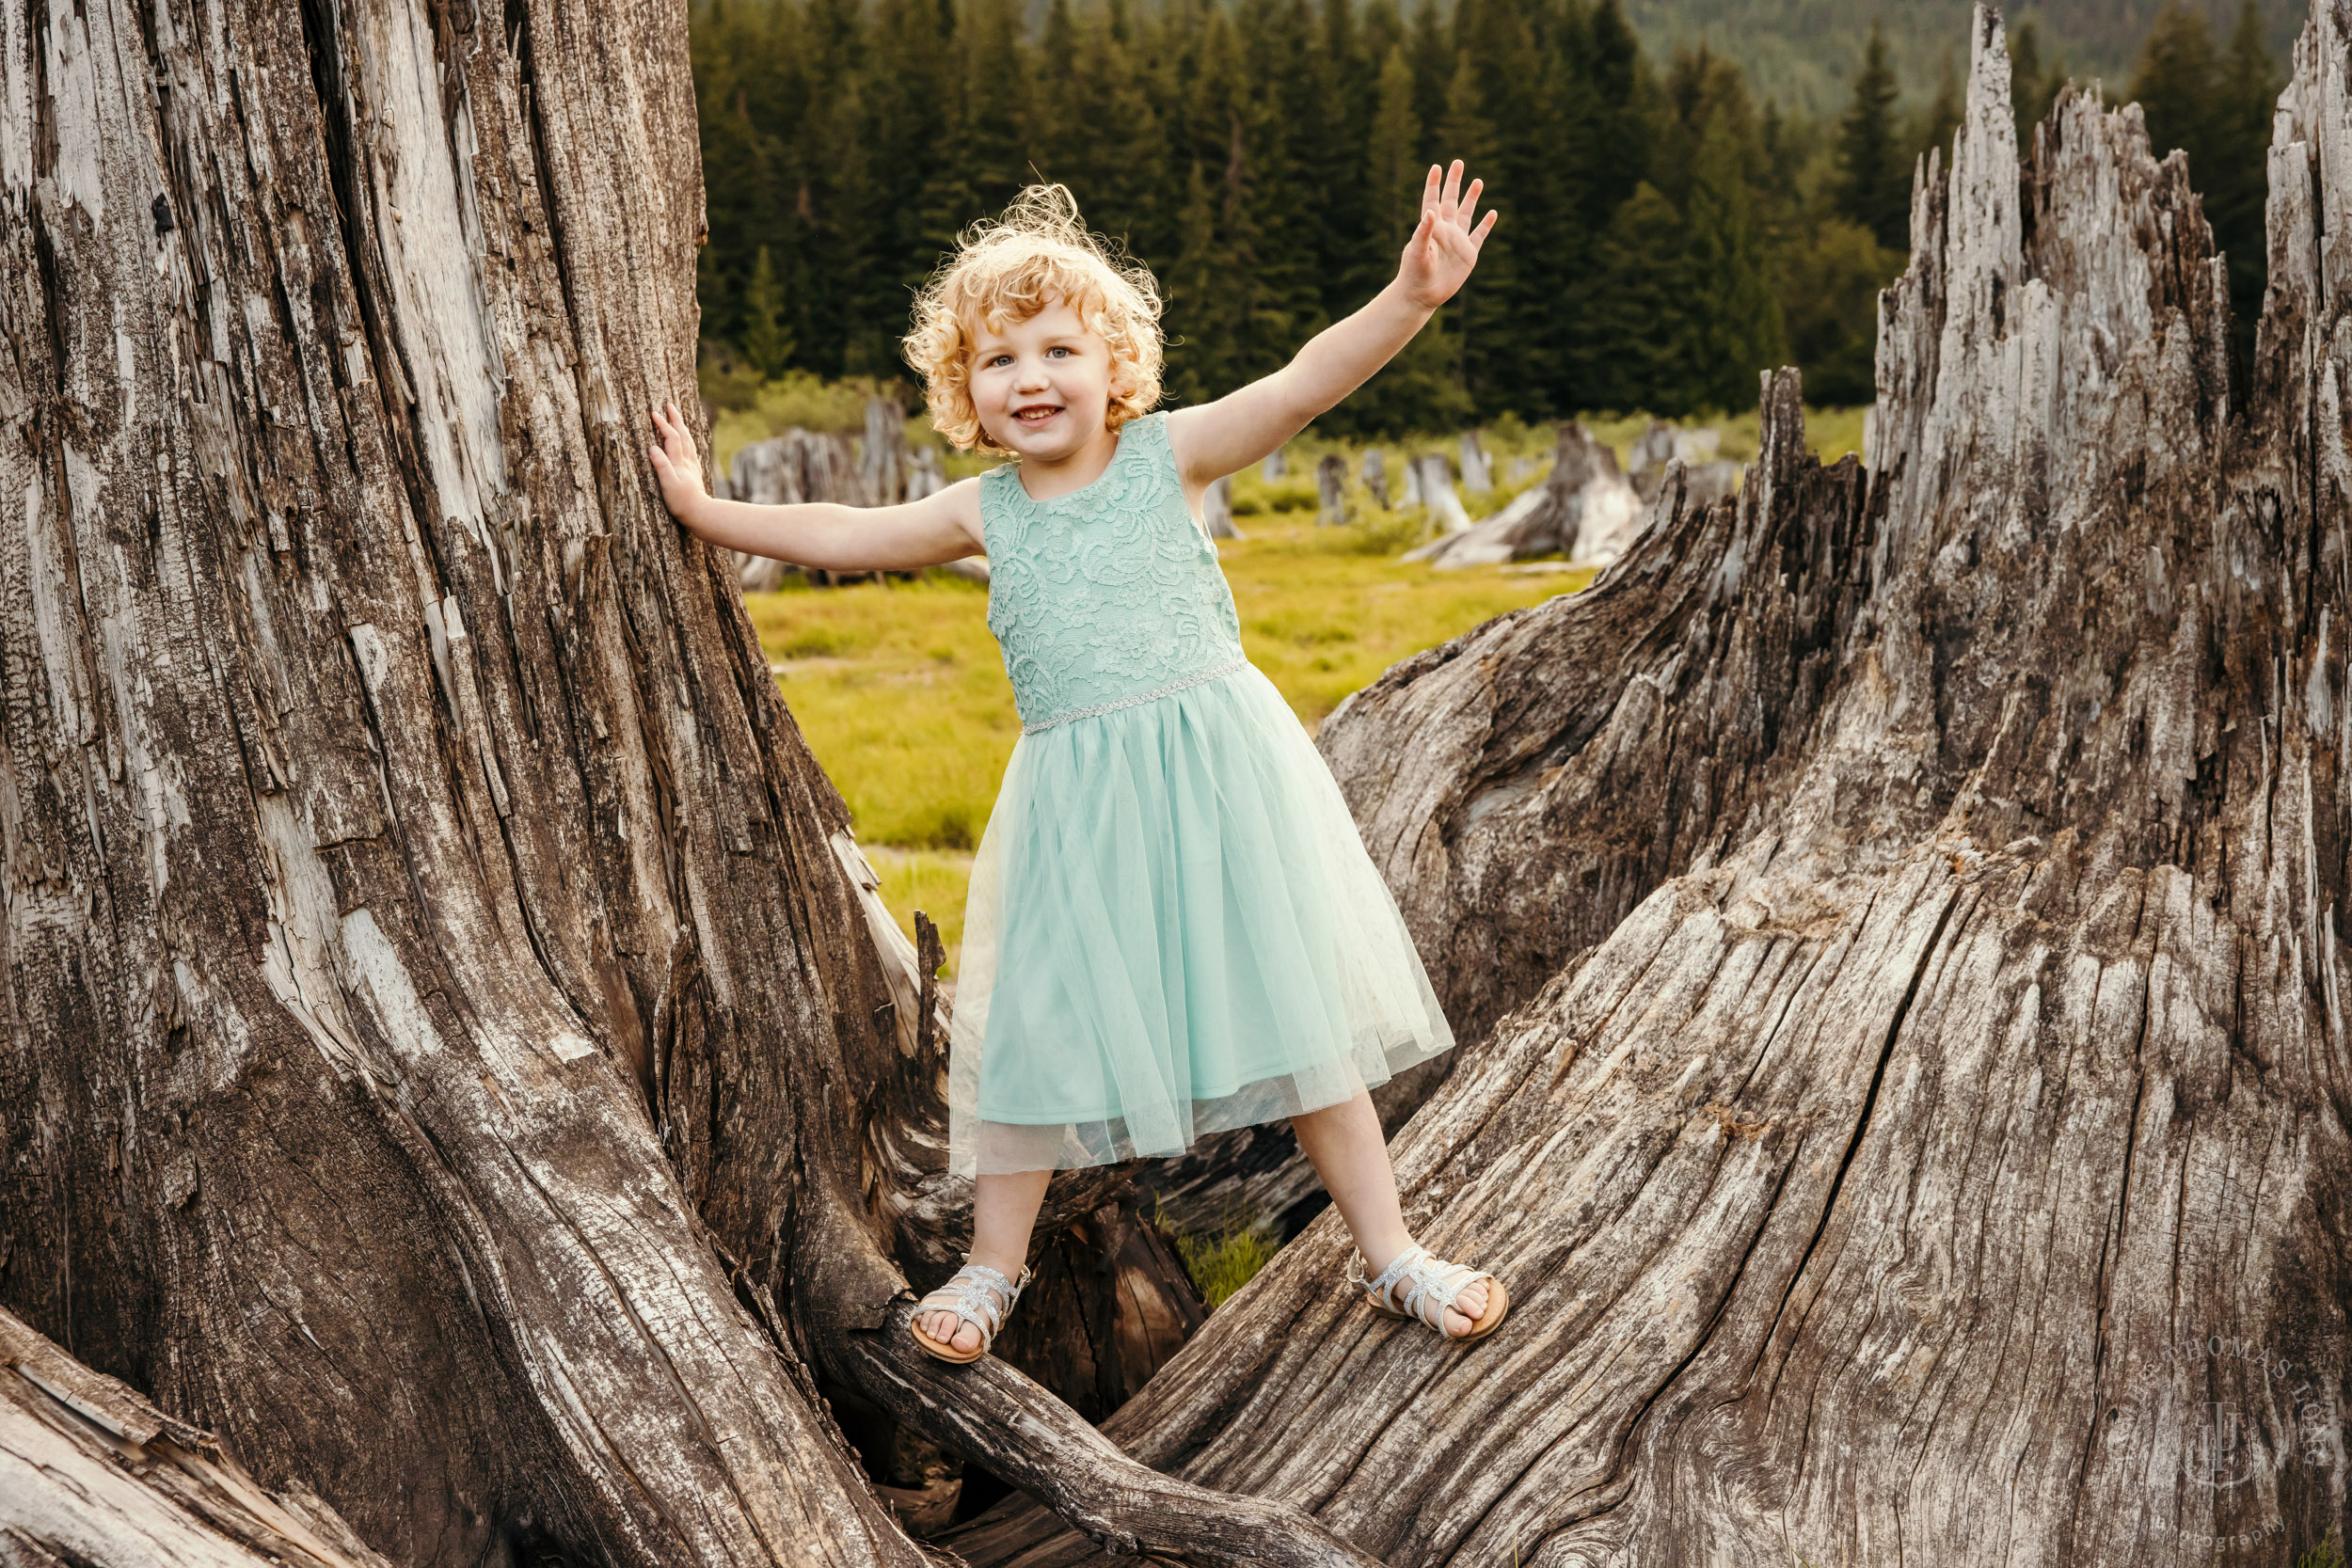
(1477, 473)
(451, 1052)
(1906, 902)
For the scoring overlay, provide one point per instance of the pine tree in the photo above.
(1396, 172)
(1733, 321)
(1632, 333)
(1829, 295)
(2216, 107)
(1873, 184)
(1200, 318)
(1481, 313)
(1618, 133)
(735, 53)
(1099, 131)
(992, 147)
(766, 340)
(2174, 84)
(1431, 52)
(1344, 92)
(910, 111)
(2238, 189)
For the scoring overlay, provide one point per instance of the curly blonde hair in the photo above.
(1010, 269)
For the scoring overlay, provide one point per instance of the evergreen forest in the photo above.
(1804, 53)
(1664, 235)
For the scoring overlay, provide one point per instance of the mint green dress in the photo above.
(1172, 927)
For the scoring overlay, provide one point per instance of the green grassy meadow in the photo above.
(899, 689)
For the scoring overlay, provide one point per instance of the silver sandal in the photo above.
(1435, 1285)
(977, 1295)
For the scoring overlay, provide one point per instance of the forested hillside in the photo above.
(1665, 234)
(1803, 52)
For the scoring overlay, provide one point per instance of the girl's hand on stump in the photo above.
(1444, 247)
(677, 465)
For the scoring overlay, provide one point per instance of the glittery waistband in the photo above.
(1151, 696)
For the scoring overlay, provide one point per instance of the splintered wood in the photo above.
(1902, 907)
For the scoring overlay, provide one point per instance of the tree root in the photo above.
(1000, 1418)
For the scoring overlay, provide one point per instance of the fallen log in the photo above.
(1907, 901)
(1584, 499)
(93, 1475)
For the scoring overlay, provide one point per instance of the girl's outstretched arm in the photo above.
(941, 527)
(1236, 430)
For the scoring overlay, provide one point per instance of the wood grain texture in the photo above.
(94, 1476)
(404, 835)
(1906, 903)
(452, 1048)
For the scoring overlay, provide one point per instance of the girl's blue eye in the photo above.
(1057, 348)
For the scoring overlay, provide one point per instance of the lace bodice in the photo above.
(1109, 595)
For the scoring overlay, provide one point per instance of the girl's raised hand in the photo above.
(676, 465)
(1438, 258)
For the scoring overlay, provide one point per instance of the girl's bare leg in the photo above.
(1343, 1141)
(1004, 1210)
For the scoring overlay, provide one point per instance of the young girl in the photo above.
(1174, 928)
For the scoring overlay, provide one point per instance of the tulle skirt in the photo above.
(1174, 930)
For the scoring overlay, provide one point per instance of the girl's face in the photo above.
(1042, 387)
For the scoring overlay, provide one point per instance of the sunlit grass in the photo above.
(932, 881)
(1222, 1263)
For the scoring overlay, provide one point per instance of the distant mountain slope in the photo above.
(1803, 52)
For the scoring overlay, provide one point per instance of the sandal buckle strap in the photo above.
(1434, 1281)
(978, 1295)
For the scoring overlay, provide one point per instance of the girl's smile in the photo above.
(1042, 390)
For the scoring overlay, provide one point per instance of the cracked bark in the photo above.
(1901, 905)
(454, 1062)
(99, 1475)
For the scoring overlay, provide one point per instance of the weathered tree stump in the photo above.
(1377, 477)
(807, 465)
(1429, 483)
(1276, 466)
(1907, 906)
(453, 1053)
(1477, 473)
(924, 475)
(882, 455)
(1216, 509)
(1330, 491)
(1582, 507)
